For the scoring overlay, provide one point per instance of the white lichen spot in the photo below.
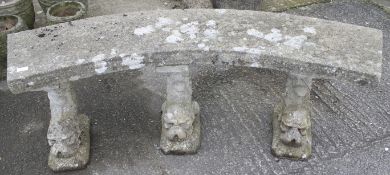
(74, 78)
(166, 29)
(30, 83)
(220, 11)
(256, 51)
(240, 49)
(311, 30)
(296, 42)
(255, 33)
(11, 69)
(113, 52)
(21, 69)
(80, 61)
(274, 36)
(100, 65)
(211, 33)
(174, 38)
(144, 30)
(311, 44)
(304, 156)
(134, 61)
(99, 57)
(191, 29)
(256, 65)
(201, 45)
(211, 24)
(386, 149)
(164, 22)
(232, 33)
(185, 19)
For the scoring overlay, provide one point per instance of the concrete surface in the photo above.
(351, 124)
(130, 41)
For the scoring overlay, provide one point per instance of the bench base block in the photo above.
(188, 146)
(280, 149)
(80, 159)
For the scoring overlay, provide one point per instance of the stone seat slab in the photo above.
(99, 45)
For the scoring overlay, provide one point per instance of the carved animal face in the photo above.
(293, 124)
(178, 121)
(64, 137)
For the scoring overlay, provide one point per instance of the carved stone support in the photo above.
(291, 120)
(180, 114)
(68, 133)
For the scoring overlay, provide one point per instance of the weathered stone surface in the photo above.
(180, 114)
(291, 120)
(309, 46)
(350, 126)
(68, 133)
(80, 157)
(281, 5)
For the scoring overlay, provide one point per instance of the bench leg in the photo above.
(180, 117)
(291, 120)
(68, 133)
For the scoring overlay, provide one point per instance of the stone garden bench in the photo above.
(170, 41)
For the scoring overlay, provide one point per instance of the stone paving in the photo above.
(351, 124)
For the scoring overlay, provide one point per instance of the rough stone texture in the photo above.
(180, 114)
(385, 4)
(350, 123)
(68, 133)
(281, 5)
(284, 42)
(291, 123)
(283, 150)
(80, 157)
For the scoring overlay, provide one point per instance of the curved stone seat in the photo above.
(310, 46)
(306, 48)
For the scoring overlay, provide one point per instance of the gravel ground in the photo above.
(351, 124)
